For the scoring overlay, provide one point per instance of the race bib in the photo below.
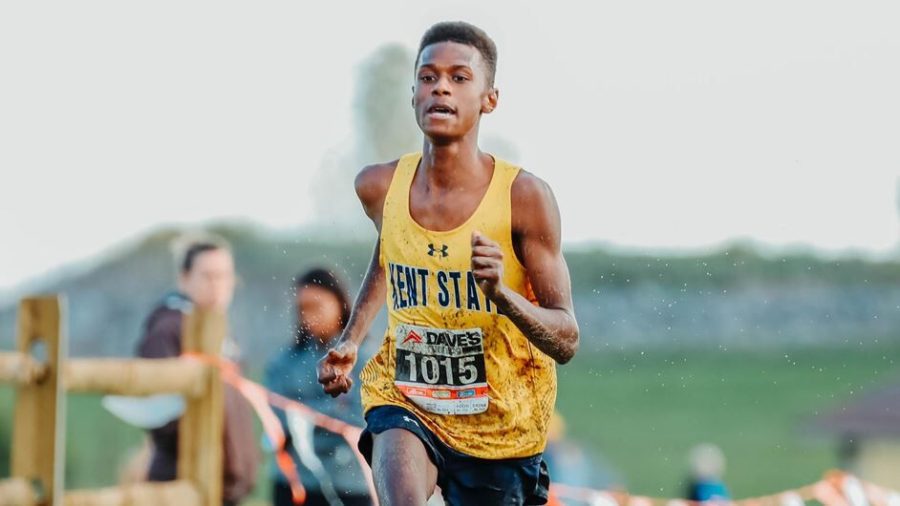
(442, 370)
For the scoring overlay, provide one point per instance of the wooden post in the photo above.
(38, 450)
(200, 432)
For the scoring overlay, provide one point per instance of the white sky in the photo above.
(659, 124)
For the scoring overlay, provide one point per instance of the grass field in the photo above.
(641, 411)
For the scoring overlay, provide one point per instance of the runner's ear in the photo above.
(489, 103)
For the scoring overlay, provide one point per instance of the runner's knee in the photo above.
(403, 473)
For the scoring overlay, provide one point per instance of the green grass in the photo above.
(96, 442)
(644, 411)
(641, 411)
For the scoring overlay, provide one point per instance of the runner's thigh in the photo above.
(403, 473)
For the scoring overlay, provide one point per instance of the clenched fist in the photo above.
(487, 265)
(335, 367)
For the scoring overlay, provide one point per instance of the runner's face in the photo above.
(451, 90)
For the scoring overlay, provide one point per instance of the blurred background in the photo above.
(728, 177)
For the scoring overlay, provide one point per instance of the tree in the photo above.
(385, 128)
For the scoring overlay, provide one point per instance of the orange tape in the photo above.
(257, 396)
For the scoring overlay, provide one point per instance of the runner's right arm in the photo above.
(336, 366)
(368, 302)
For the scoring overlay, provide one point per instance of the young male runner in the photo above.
(478, 295)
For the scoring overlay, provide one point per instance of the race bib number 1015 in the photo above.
(442, 370)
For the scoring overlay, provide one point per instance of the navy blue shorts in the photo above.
(465, 480)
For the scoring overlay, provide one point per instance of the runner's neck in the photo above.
(454, 165)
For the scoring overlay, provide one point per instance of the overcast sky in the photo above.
(658, 124)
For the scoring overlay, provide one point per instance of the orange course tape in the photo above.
(257, 396)
(262, 399)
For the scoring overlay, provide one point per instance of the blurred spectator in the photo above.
(566, 462)
(707, 469)
(570, 464)
(328, 467)
(206, 279)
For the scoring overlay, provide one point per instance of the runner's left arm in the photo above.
(551, 325)
(335, 368)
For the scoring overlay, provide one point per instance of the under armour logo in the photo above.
(432, 251)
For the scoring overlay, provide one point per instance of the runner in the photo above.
(478, 296)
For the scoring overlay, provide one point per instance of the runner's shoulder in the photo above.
(373, 181)
(531, 192)
(534, 207)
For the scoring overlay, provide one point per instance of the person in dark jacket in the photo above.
(206, 279)
(328, 468)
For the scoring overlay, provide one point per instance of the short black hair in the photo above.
(463, 33)
(194, 250)
(328, 280)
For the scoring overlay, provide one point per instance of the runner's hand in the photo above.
(335, 367)
(487, 265)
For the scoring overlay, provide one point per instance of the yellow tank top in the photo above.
(466, 371)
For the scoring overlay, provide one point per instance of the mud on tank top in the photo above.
(466, 371)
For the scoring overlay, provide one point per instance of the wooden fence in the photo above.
(41, 374)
